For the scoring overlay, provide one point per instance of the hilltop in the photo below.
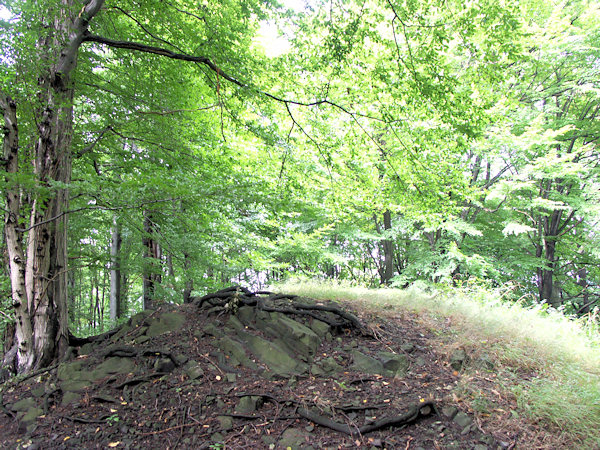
(237, 369)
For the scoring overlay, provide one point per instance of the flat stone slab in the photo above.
(367, 364)
(273, 356)
(165, 323)
(113, 366)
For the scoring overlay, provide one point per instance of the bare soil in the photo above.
(154, 406)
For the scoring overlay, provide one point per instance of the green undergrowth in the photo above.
(561, 355)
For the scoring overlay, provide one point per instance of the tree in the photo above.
(39, 267)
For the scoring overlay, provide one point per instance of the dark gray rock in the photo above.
(165, 323)
(298, 339)
(274, 357)
(463, 420)
(294, 438)
(236, 352)
(367, 364)
(395, 363)
(458, 359)
(23, 405)
(320, 328)
(193, 370)
(249, 403)
(164, 365)
(225, 422)
(449, 411)
(407, 347)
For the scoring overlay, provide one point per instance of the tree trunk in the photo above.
(388, 250)
(23, 329)
(583, 283)
(39, 274)
(386, 267)
(152, 261)
(189, 283)
(115, 306)
(547, 289)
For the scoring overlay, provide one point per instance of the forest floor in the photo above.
(190, 377)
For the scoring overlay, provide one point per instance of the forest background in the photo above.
(158, 150)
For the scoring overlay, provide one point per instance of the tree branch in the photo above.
(144, 48)
(139, 47)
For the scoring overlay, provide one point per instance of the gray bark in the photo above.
(115, 305)
(39, 273)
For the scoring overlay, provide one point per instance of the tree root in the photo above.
(331, 314)
(412, 415)
(131, 352)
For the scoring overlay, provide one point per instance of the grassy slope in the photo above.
(563, 354)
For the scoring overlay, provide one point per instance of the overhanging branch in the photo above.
(144, 48)
(139, 47)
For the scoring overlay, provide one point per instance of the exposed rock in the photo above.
(236, 352)
(70, 397)
(212, 330)
(113, 365)
(330, 365)
(458, 359)
(29, 418)
(166, 322)
(226, 422)
(139, 318)
(121, 333)
(23, 405)
(193, 370)
(72, 371)
(273, 356)
(395, 363)
(249, 403)
(164, 365)
(75, 385)
(246, 315)
(320, 328)
(367, 364)
(297, 338)
(294, 438)
(449, 411)
(86, 349)
(234, 323)
(407, 347)
(463, 420)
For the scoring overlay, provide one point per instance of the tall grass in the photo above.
(564, 352)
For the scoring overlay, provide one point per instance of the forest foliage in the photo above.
(386, 143)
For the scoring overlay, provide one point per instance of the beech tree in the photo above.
(36, 221)
(394, 142)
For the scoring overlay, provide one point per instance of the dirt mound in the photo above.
(237, 369)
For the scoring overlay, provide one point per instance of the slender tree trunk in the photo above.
(547, 289)
(115, 271)
(152, 261)
(386, 267)
(23, 329)
(546, 276)
(189, 282)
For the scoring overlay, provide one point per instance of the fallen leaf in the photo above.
(113, 444)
